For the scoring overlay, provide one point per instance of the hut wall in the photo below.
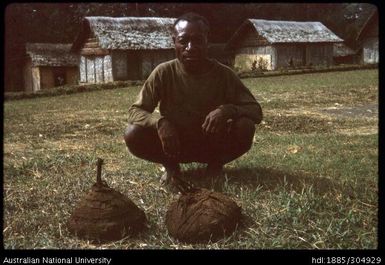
(289, 53)
(370, 51)
(107, 69)
(264, 57)
(119, 65)
(27, 73)
(47, 77)
(83, 69)
(90, 69)
(95, 69)
(35, 79)
(95, 63)
(138, 64)
(99, 76)
(150, 59)
(319, 54)
(72, 75)
(133, 60)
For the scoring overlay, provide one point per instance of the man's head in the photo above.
(190, 39)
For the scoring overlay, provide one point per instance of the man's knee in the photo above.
(243, 131)
(136, 137)
(131, 134)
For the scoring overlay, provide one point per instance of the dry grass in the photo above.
(301, 185)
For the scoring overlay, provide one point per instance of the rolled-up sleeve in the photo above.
(240, 101)
(142, 111)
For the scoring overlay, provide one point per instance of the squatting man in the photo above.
(206, 114)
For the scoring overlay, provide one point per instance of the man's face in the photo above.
(190, 39)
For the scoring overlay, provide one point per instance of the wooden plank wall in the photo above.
(287, 52)
(107, 68)
(46, 77)
(83, 69)
(90, 70)
(36, 78)
(247, 55)
(95, 69)
(27, 73)
(72, 75)
(95, 63)
(119, 66)
(151, 59)
(370, 52)
(319, 54)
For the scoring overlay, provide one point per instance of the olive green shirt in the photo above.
(186, 99)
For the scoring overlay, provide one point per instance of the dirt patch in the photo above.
(362, 130)
(365, 111)
(297, 123)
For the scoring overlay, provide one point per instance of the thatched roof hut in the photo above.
(368, 40)
(48, 65)
(51, 54)
(343, 54)
(279, 42)
(122, 48)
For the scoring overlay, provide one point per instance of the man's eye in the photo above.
(183, 41)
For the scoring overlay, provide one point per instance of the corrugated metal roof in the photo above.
(132, 33)
(51, 54)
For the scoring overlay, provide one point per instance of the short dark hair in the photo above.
(193, 17)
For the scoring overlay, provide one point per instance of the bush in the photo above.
(69, 89)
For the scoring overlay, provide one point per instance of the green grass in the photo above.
(309, 181)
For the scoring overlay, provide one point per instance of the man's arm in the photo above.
(142, 111)
(240, 103)
(246, 107)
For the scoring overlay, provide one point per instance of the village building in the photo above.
(368, 40)
(49, 65)
(219, 52)
(343, 54)
(122, 48)
(271, 45)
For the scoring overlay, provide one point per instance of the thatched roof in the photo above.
(276, 31)
(340, 49)
(128, 33)
(370, 26)
(51, 54)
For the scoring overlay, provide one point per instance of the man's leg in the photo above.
(215, 150)
(239, 139)
(229, 145)
(144, 143)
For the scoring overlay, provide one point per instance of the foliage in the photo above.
(69, 89)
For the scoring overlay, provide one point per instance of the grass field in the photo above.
(309, 181)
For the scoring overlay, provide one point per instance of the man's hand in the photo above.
(215, 121)
(169, 138)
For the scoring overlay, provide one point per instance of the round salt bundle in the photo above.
(202, 215)
(105, 214)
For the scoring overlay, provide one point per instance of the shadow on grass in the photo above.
(271, 178)
(267, 179)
